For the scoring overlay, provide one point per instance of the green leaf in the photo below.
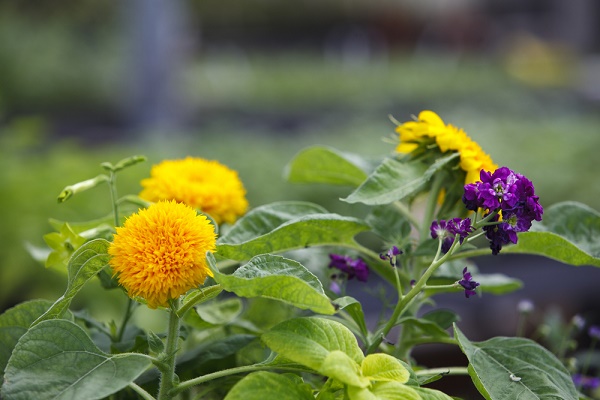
(423, 327)
(62, 244)
(442, 317)
(278, 278)
(354, 308)
(56, 359)
(431, 394)
(387, 222)
(383, 367)
(394, 180)
(286, 226)
(516, 368)
(269, 386)
(339, 366)
(209, 351)
(327, 165)
(84, 264)
(14, 322)
(309, 341)
(155, 343)
(220, 312)
(384, 391)
(498, 283)
(569, 232)
(198, 296)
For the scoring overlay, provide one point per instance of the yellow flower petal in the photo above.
(160, 252)
(448, 138)
(203, 184)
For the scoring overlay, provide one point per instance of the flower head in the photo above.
(468, 283)
(206, 185)
(429, 127)
(447, 231)
(160, 252)
(510, 194)
(391, 255)
(350, 266)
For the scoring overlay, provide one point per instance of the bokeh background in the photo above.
(252, 82)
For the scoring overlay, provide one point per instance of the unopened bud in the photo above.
(79, 187)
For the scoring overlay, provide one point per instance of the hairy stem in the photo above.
(167, 382)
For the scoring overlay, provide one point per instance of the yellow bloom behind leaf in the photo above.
(448, 138)
(160, 252)
(203, 184)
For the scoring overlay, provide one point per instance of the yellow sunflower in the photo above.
(203, 184)
(160, 252)
(448, 138)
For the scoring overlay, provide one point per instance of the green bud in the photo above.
(128, 162)
(70, 190)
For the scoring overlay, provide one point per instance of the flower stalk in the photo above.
(167, 368)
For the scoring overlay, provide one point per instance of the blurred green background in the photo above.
(251, 83)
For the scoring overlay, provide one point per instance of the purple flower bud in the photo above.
(468, 283)
(391, 255)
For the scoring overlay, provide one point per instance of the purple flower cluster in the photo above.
(510, 194)
(447, 231)
(468, 283)
(350, 267)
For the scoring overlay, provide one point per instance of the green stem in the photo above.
(443, 371)
(231, 371)
(139, 390)
(427, 340)
(405, 301)
(128, 312)
(167, 383)
(470, 254)
(112, 184)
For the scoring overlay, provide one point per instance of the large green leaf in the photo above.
(84, 264)
(15, 322)
(278, 278)
(327, 165)
(394, 180)
(569, 232)
(390, 224)
(269, 386)
(384, 391)
(286, 226)
(516, 368)
(431, 394)
(56, 359)
(310, 341)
